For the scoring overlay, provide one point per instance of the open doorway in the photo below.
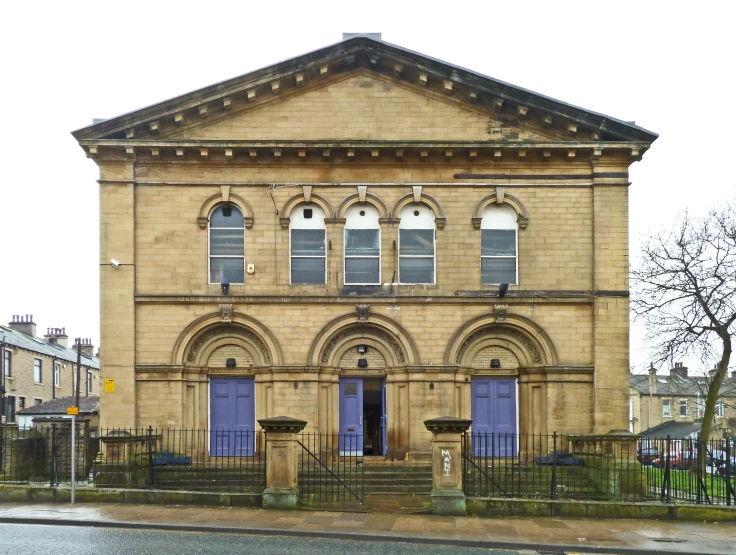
(373, 417)
(363, 416)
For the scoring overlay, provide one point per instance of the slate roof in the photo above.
(87, 405)
(673, 429)
(41, 346)
(363, 51)
(669, 386)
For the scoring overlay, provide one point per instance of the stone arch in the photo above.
(376, 331)
(522, 219)
(370, 198)
(529, 343)
(296, 200)
(206, 334)
(215, 200)
(429, 201)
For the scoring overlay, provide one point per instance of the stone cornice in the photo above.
(360, 54)
(352, 152)
(514, 297)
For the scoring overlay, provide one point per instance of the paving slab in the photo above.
(579, 535)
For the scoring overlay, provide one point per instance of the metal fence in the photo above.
(331, 467)
(44, 454)
(617, 468)
(190, 459)
(197, 459)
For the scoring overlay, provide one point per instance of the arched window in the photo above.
(498, 260)
(416, 245)
(227, 245)
(362, 246)
(307, 230)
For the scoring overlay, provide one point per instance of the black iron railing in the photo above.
(623, 468)
(210, 460)
(43, 454)
(190, 459)
(331, 467)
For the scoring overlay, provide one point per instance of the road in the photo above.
(80, 540)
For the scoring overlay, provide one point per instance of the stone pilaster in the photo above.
(447, 497)
(282, 487)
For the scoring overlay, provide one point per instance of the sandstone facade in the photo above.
(357, 124)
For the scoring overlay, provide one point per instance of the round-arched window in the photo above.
(498, 247)
(227, 245)
(362, 245)
(416, 245)
(308, 253)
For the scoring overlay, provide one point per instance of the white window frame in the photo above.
(7, 363)
(89, 382)
(683, 403)
(57, 374)
(488, 223)
(666, 408)
(209, 246)
(720, 409)
(37, 367)
(424, 214)
(353, 221)
(699, 408)
(299, 223)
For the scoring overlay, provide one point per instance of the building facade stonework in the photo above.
(335, 230)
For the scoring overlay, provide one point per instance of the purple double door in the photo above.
(232, 417)
(493, 411)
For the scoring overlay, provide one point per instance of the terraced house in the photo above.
(39, 369)
(364, 237)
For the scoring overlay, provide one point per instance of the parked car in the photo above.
(646, 455)
(666, 461)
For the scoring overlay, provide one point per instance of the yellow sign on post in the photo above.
(72, 410)
(109, 386)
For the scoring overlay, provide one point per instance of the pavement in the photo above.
(559, 535)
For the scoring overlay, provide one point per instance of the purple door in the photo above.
(232, 429)
(493, 410)
(351, 416)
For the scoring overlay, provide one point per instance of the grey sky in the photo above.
(667, 65)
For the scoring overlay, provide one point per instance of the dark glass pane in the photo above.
(351, 389)
(497, 242)
(308, 270)
(361, 242)
(218, 219)
(418, 242)
(230, 267)
(361, 270)
(224, 242)
(308, 242)
(498, 270)
(416, 270)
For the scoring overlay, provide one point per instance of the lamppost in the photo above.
(2, 397)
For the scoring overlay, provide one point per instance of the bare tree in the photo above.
(685, 290)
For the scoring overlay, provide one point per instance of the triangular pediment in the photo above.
(365, 89)
(361, 106)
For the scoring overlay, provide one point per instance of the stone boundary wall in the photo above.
(600, 509)
(475, 506)
(45, 494)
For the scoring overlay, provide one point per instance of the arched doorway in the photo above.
(221, 361)
(369, 356)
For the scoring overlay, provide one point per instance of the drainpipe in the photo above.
(53, 378)
(2, 387)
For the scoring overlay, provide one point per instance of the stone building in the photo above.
(39, 369)
(326, 238)
(679, 397)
